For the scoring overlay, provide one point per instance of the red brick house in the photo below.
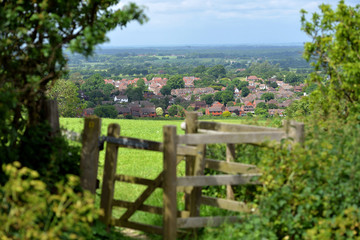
(215, 111)
(147, 112)
(235, 109)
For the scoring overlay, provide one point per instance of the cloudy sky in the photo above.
(217, 22)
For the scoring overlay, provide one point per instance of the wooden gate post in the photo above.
(169, 184)
(194, 167)
(107, 191)
(90, 153)
(295, 131)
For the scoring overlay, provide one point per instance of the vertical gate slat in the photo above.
(169, 195)
(107, 193)
(90, 153)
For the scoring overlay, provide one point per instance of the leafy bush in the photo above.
(29, 211)
(52, 158)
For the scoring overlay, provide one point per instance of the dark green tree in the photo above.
(33, 38)
(175, 82)
(134, 93)
(208, 98)
(217, 71)
(141, 84)
(262, 105)
(245, 91)
(242, 84)
(199, 69)
(267, 96)
(106, 111)
(272, 106)
(292, 78)
(165, 90)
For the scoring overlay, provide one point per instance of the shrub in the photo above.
(29, 211)
(226, 114)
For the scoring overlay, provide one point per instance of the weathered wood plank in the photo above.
(227, 204)
(199, 222)
(217, 180)
(235, 138)
(230, 167)
(132, 179)
(190, 127)
(169, 185)
(90, 153)
(139, 226)
(147, 208)
(230, 156)
(186, 150)
(295, 131)
(136, 143)
(107, 193)
(228, 127)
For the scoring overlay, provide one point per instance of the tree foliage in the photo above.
(245, 91)
(175, 82)
(334, 50)
(106, 111)
(66, 94)
(267, 96)
(33, 39)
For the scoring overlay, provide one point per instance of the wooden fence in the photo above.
(175, 148)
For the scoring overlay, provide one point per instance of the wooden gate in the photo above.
(191, 148)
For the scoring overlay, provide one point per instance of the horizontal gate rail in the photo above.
(135, 143)
(228, 127)
(199, 222)
(217, 180)
(230, 167)
(236, 138)
(132, 179)
(226, 204)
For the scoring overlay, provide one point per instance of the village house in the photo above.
(248, 107)
(122, 110)
(147, 112)
(198, 104)
(235, 109)
(189, 81)
(216, 109)
(156, 83)
(205, 90)
(135, 111)
(252, 78)
(273, 112)
(121, 99)
(262, 86)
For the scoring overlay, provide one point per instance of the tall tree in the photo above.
(33, 38)
(334, 52)
(267, 96)
(176, 81)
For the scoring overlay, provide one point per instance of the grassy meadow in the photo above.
(146, 164)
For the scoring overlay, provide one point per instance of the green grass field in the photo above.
(145, 164)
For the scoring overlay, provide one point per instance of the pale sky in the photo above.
(217, 22)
